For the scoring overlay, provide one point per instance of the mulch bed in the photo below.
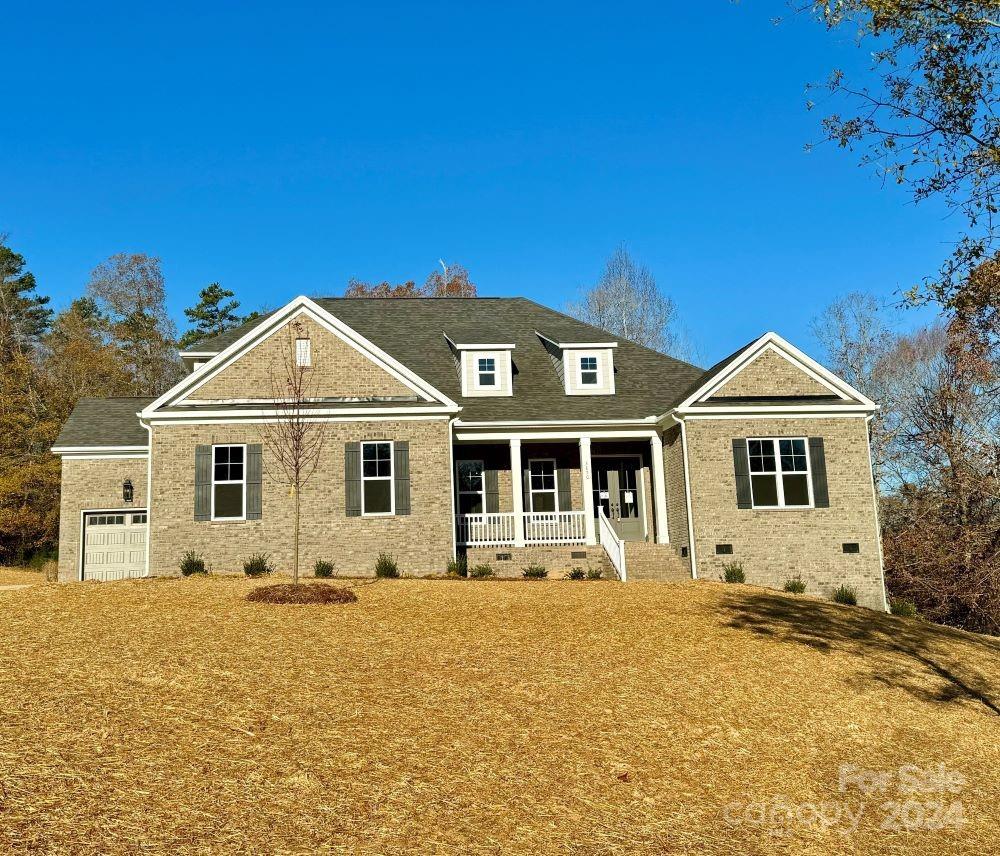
(302, 593)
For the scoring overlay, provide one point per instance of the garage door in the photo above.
(114, 545)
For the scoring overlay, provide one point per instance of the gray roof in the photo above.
(105, 422)
(412, 330)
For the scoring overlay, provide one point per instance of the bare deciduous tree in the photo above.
(294, 440)
(627, 301)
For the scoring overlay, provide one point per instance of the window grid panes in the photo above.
(228, 477)
(779, 473)
(471, 487)
(303, 352)
(588, 371)
(376, 478)
(542, 485)
(487, 370)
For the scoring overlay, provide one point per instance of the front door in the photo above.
(616, 490)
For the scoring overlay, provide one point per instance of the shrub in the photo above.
(458, 567)
(480, 572)
(386, 567)
(732, 572)
(192, 564)
(302, 593)
(576, 574)
(322, 569)
(903, 607)
(258, 565)
(846, 594)
(534, 572)
(594, 573)
(795, 585)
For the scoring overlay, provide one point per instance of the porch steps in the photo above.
(649, 561)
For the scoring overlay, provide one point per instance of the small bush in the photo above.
(192, 564)
(302, 593)
(732, 572)
(258, 565)
(458, 567)
(480, 572)
(322, 569)
(903, 607)
(594, 573)
(576, 574)
(795, 585)
(847, 595)
(386, 567)
(534, 572)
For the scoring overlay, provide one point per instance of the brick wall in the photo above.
(673, 466)
(93, 485)
(340, 370)
(557, 560)
(774, 545)
(420, 541)
(771, 374)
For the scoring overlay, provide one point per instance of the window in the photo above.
(542, 478)
(588, 371)
(138, 518)
(471, 487)
(303, 352)
(779, 473)
(376, 478)
(486, 374)
(228, 483)
(107, 520)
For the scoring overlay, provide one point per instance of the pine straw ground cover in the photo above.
(10, 576)
(476, 717)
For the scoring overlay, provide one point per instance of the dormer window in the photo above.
(588, 371)
(486, 375)
(585, 367)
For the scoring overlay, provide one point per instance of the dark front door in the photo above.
(616, 490)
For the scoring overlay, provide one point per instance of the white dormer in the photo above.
(484, 364)
(586, 368)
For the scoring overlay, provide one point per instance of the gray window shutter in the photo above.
(401, 475)
(526, 487)
(254, 477)
(562, 486)
(202, 482)
(817, 463)
(492, 492)
(352, 479)
(741, 467)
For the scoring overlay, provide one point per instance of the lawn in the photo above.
(484, 717)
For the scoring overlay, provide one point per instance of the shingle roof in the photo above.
(105, 422)
(412, 330)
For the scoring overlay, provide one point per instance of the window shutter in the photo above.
(562, 486)
(352, 479)
(741, 467)
(492, 492)
(817, 463)
(202, 482)
(401, 475)
(526, 487)
(254, 477)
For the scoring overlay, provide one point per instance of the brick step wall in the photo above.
(648, 561)
(557, 560)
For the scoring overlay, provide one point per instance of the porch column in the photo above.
(659, 489)
(516, 478)
(588, 491)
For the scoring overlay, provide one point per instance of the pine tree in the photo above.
(24, 316)
(213, 314)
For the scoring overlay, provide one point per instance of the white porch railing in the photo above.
(540, 527)
(612, 544)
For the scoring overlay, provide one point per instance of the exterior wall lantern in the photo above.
(127, 490)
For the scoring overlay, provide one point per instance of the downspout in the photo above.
(878, 523)
(451, 483)
(149, 492)
(687, 496)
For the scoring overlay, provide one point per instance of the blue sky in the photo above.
(284, 150)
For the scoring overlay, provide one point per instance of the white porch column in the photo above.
(588, 491)
(659, 490)
(516, 478)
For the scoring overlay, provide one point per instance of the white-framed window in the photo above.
(486, 372)
(377, 495)
(542, 484)
(588, 371)
(471, 480)
(779, 472)
(303, 353)
(229, 495)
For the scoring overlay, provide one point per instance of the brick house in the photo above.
(491, 427)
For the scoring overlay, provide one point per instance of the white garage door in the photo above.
(114, 545)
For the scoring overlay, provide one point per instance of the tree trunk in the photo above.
(295, 566)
